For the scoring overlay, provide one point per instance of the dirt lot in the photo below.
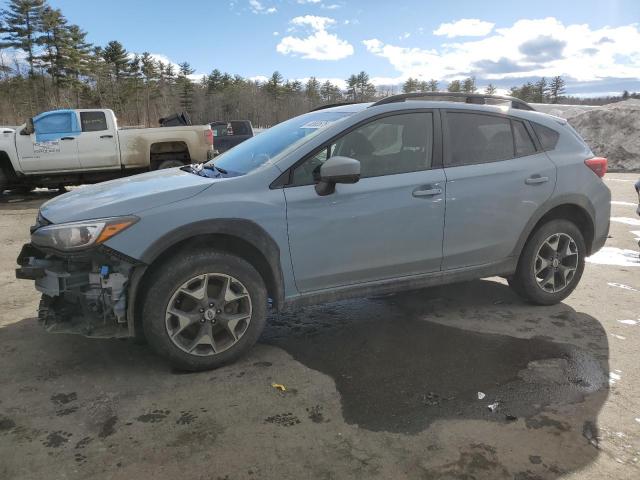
(378, 388)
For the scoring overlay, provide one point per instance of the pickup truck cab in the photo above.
(64, 147)
(227, 135)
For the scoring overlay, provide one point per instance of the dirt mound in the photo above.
(612, 131)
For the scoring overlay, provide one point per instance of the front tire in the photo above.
(204, 310)
(551, 263)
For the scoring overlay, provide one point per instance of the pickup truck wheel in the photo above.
(4, 181)
(170, 164)
(205, 310)
(551, 263)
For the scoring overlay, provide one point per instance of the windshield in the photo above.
(260, 149)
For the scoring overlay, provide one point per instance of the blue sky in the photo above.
(594, 44)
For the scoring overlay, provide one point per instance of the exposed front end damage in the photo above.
(83, 293)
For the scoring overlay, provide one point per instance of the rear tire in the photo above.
(170, 164)
(204, 310)
(551, 263)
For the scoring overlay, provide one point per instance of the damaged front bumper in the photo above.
(84, 293)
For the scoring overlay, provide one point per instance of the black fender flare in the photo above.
(242, 229)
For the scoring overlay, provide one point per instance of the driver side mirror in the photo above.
(28, 128)
(337, 169)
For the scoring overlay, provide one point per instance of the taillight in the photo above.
(598, 165)
(208, 134)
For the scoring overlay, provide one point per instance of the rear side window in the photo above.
(93, 121)
(524, 143)
(547, 136)
(476, 138)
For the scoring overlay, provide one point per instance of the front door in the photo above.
(54, 145)
(389, 224)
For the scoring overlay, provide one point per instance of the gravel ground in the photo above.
(385, 387)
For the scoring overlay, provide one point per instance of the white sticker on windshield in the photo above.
(46, 147)
(317, 124)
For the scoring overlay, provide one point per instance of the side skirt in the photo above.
(413, 282)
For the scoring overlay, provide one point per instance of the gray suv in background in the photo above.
(348, 201)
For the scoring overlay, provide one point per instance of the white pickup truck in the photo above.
(69, 147)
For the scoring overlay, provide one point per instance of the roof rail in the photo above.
(331, 105)
(474, 98)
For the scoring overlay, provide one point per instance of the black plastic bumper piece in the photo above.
(29, 273)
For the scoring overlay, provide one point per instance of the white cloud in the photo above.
(466, 27)
(257, 7)
(528, 48)
(319, 44)
(275, 34)
(302, 2)
(404, 36)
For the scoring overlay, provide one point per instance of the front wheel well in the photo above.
(6, 166)
(213, 242)
(574, 214)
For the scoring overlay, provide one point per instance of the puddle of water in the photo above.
(616, 256)
(627, 221)
(398, 373)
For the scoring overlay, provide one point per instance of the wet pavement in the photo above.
(396, 372)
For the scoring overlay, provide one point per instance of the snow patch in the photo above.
(628, 322)
(626, 204)
(622, 285)
(627, 221)
(616, 256)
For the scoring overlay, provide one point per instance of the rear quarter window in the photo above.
(548, 137)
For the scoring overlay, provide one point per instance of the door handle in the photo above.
(426, 191)
(106, 136)
(536, 179)
(68, 138)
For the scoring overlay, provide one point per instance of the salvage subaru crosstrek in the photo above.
(341, 202)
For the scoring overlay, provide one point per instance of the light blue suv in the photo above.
(348, 201)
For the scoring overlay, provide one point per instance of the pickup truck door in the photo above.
(98, 142)
(54, 145)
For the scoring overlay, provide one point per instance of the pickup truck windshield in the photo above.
(260, 149)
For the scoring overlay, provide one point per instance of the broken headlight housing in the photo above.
(79, 235)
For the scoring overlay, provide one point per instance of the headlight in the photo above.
(78, 235)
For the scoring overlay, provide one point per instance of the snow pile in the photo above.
(612, 131)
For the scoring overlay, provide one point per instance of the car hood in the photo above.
(124, 196)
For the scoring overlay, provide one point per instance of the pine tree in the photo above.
(433, 85)
(556, 88)
(410, 85)
(312, 90)
(469, 85)
(541, 91)
(274, 85)
(117, 57)
(454, 86)
(22, 22)
(185, 87)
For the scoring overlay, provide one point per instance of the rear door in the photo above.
(98, 141)
(496, 180)
(388, 224)
(53, 147)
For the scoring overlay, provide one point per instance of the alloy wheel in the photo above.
(556, 263)
(208, 314)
